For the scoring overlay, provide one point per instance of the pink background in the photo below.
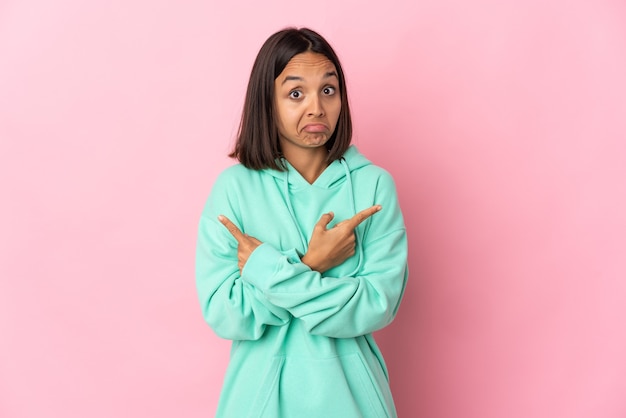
(503, 123)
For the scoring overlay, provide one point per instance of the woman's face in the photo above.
(308, 101)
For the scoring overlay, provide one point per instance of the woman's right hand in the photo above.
(329, 248)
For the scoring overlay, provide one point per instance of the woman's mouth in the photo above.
(315, 128)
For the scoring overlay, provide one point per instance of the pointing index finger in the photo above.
(232, 228)
(363, 215)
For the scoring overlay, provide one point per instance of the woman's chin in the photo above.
(315, 141)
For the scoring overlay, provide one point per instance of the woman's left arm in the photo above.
(341, 307)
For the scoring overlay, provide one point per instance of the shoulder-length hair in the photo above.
(257, 145)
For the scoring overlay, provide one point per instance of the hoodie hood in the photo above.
(334, 175)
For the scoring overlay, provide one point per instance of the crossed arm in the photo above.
(328, 247)
(278, 284)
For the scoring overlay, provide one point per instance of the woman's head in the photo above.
(258, 144)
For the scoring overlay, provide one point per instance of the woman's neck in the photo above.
(309, 162)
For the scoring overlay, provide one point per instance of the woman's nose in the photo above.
(316, 109)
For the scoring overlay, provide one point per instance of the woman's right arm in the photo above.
(234, 309)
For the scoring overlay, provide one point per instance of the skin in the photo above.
(308, 103)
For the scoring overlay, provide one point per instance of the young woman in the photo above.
(302, 248)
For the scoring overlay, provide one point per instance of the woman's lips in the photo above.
(315, 127)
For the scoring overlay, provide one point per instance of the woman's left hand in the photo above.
(247, 244)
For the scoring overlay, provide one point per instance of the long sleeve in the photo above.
(233, 308)
(341, 307)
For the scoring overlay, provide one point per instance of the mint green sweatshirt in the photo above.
(302, 343)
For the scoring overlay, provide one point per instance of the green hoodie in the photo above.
(302, 343)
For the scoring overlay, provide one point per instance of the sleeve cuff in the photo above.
(265, 261)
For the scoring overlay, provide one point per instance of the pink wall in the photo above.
(504, 125)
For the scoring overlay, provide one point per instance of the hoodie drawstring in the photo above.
(359, 245)
(291, 211)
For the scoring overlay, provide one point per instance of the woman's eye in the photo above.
(329, 91)
(296, 94)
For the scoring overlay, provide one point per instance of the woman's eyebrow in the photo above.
(292, 78)
(298, 78)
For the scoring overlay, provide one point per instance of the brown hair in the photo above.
(257, 145)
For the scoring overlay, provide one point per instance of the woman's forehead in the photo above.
(308, 62)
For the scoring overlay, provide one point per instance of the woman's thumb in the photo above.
(325, 220)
